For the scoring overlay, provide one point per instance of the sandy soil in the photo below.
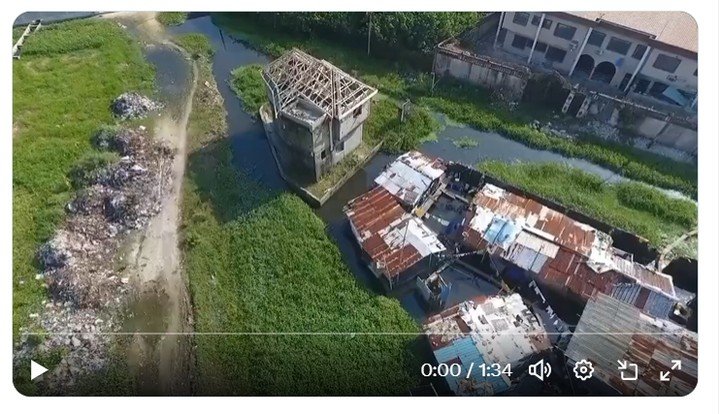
(163, 356)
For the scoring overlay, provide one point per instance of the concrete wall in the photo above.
(482, 71)
(660, 127)
(350, 142)
(679, 137)
(352, 120)
(686, 80)
(295, 134)
(667, 133)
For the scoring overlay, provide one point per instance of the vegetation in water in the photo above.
(384, 125)
(197, 44)
(403, 79)
(465, 142)
(247, 83)
(259, 263)
(635, 207)
(172, 18)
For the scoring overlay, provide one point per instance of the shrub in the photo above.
(248, 85)
(197, 44)
(172, 18)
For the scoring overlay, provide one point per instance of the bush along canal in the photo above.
(253, 250)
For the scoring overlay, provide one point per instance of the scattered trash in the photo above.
(132, 105)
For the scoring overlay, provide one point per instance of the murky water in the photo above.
(173, 75)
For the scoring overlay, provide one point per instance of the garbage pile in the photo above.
(77, 330)
(119, 197)
(132, 105)
(78, 263)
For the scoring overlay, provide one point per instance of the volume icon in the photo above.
(540, 370)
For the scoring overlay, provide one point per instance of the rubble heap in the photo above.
(132, 105)
(78, 261)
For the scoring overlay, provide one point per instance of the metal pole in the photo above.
(497, 33)
(369, 31)
(577, 58)
(537, 34)
(637, 69)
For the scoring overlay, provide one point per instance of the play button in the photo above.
(36, 370)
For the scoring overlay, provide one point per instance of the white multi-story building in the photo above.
(646, 53)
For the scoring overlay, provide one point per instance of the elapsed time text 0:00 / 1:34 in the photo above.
(456, 370)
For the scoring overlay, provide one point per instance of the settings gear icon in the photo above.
(583, 370)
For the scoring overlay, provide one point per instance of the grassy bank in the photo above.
(631, 206)
(261, 262)
(383, 124)
(466, 104)
(62, 89)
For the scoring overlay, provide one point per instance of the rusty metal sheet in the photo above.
(563, 230)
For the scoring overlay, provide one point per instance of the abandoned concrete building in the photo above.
(318, 111)
(648, 53)
(609, 61)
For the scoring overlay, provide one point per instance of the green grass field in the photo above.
(261, 262)
(465, 103)
(62, 89)
(631, 206)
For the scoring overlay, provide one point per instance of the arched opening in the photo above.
(584, 66)
(604, 72)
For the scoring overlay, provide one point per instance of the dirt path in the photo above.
(164, 305)
(163, 362)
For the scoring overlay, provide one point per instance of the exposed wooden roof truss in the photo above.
(297, 74)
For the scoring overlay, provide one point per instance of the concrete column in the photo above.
(637, 68)
(497, 32)
(580, 51)
(537, 34)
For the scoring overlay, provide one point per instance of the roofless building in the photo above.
(319, 111)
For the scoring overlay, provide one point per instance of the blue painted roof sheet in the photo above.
(502, 231)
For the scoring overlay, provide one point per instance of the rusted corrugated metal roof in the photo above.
(393, 239)
(579, 257)
(555, 226)
(373, 211)
(645, 276)
(611, 330)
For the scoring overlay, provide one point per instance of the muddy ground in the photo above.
(161, 316)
